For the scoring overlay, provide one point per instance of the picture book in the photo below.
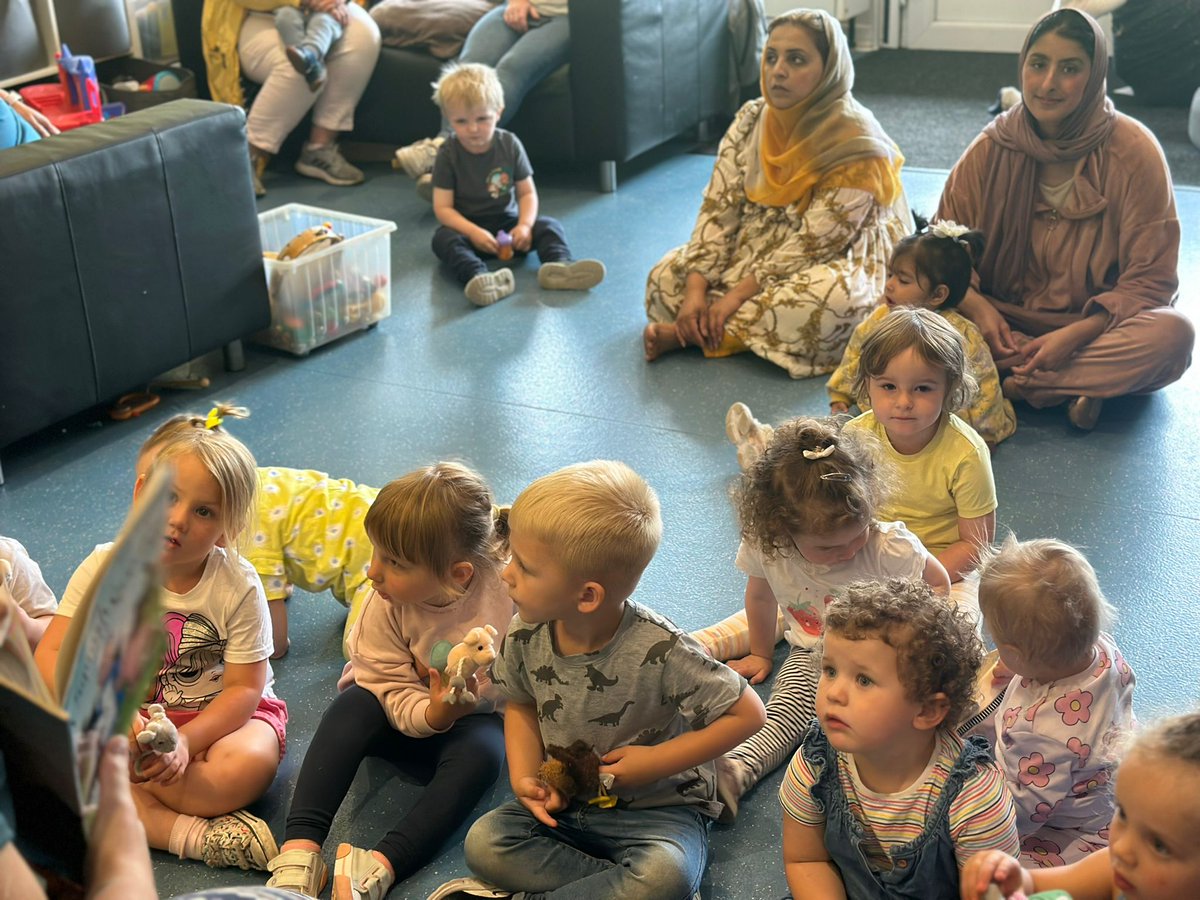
(52, 739)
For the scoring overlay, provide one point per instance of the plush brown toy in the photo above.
(573, 771)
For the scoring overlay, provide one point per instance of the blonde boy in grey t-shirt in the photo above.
(581, 661)
(484, 196)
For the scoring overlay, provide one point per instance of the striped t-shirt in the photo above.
(982, 816)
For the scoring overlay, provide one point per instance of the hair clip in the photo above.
(213, 420)
(819, 454)
(836, 476)
(948, 228)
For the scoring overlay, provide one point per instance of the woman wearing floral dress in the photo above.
(790, 249)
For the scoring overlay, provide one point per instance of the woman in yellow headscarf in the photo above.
(790, 249)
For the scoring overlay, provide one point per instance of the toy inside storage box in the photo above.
(334, 288)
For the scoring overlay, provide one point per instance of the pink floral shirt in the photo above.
(1058, 744)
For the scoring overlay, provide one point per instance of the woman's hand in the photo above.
(993, 327)
(42, 125)
(518, 13)
(1050, 351)
(716, 316)
(335, 8)
(691, 321)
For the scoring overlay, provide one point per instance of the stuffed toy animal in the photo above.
(477, 650)
(574, 772)
(158, 736)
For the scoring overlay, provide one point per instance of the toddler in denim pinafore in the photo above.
(883, 800)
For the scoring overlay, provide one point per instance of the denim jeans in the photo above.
(521, 59)
(634, 854)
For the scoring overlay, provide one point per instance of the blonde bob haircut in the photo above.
(435, 517)
(229, 462)
(601, 519)
(936, 342)
(468, 85)
(1042, 597)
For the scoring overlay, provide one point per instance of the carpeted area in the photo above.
(543, 379)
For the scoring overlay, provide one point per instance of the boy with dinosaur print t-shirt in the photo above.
(583, 662)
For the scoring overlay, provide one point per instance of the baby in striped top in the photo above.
(882, 799)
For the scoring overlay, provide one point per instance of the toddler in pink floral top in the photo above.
(1068, 709)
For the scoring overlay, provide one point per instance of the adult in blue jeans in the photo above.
(524, 41)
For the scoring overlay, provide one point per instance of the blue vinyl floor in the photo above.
(544, 379)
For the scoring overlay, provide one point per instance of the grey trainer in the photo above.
(577, 275)
(488, 287)
(328, 164)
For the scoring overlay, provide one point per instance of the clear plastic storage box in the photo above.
(330, 292)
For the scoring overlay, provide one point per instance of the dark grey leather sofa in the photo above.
(130, 247)
(641, 72)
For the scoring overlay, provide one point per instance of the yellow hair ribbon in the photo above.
(213, 420)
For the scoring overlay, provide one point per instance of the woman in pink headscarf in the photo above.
(1077, 283)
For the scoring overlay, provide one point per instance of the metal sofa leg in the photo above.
(608, 176)
(235, 357)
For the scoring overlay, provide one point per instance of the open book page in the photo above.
(113, 645)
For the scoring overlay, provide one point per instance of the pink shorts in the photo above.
(271, 710)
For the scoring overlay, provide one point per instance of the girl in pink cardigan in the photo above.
(436, 576)
(1076, 287)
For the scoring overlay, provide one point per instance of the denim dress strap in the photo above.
(926, 868)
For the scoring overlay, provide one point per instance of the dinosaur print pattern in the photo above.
(612, 719)
(597, 680)
(550, 709)
(658, 652)
(649, 684)
(546, 675)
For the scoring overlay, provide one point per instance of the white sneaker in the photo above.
(417, 158)
(749, 435)
(462, 888)
(488, 287)
(577, 275)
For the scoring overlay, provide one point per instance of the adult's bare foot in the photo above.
(659, 338)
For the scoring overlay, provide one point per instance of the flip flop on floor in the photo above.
(134, 404)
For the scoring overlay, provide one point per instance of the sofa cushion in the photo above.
(437, 26)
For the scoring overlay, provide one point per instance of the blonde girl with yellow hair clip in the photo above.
(215, 680)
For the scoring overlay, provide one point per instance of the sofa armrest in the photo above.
(138, 249)
(643, 73)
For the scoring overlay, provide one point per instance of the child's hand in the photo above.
(484, 241)
(754, 669)
(164, 768)
(631, 766)
(346, 678)
(540, 799)
(992, 867)
(440, 714)
(522, 238)
(837, 407)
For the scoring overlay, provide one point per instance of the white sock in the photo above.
(187, 837)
